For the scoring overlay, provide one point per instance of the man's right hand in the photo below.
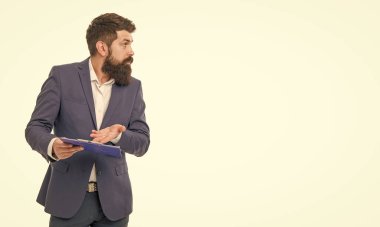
(63, 150)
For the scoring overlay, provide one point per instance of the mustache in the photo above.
(129, 60)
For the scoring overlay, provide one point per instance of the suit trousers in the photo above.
(89, 214)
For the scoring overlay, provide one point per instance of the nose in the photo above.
(130, 52)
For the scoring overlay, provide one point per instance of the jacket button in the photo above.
(99, 173)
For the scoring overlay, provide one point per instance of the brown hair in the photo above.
(104, 28)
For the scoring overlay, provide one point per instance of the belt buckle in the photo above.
(91, 187)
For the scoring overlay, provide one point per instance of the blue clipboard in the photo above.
(100, 148)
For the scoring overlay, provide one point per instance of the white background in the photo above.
(262, 113)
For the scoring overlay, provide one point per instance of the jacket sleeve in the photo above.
(136, 139)
(38, 131)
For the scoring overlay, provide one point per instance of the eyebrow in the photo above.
(127, 40)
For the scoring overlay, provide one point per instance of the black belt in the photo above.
(92, 187)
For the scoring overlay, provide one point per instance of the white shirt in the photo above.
(101, 94)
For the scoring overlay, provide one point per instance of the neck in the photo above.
(97, 64)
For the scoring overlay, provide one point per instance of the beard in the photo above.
(120, 72)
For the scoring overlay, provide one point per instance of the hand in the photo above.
(64, 150)
(107, 134)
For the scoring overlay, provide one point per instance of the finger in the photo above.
(63, 149)
(72, 153)
(59, 142)
(104, 141)
(65, 155)
(76, 149)
(65, 145)
(79, 148)
(71, 149)
(61, 155)
(101, 140)
(95, 134)
(97, 139)
(120, 128)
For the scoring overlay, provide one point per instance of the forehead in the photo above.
(124, 35)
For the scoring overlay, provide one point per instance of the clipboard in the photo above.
(99, 148)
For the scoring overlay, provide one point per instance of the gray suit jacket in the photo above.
(66, 105)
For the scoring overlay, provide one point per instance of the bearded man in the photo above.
(97, 100)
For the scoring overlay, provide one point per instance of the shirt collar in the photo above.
(93, 76)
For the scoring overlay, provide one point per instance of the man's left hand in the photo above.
(107, 134)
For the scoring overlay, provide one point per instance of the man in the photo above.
(98, 100)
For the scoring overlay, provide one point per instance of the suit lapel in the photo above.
(84, 75)
(116, 95)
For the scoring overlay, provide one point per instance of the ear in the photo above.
(102, 48)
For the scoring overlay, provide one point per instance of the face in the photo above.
(121, 47)
(118, 62)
